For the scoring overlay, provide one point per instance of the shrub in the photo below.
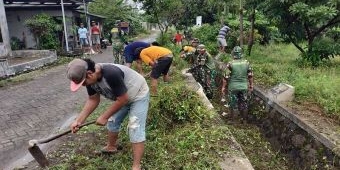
(165, 38)
(176, 106)
(43, 27)
(49, 41)
(180, 104)
(207, 33)
(15, 43)
(321, 48)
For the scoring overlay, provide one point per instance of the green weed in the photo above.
(279, 63)
(181, 134)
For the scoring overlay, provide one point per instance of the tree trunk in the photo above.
(252, 29)
(241, 24)
(223, 14)
(166, 28)
(161, 28)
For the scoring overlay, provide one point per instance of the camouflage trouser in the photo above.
(201, 75)
(238, 99)
(213, 74)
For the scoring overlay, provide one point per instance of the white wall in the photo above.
(5, 47)
(16, 23)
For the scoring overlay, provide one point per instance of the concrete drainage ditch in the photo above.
(303, 143)
(292, 135)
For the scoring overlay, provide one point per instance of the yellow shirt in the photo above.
(188, 49)
(153, 53)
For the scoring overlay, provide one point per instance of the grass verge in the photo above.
(280, 63)
(181, 134)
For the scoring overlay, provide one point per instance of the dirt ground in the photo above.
(80, 143)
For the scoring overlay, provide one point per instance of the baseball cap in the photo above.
(76, 72)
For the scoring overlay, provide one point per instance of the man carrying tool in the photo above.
(221, 37)
(239, 80)
(160, 59)
(126, 88)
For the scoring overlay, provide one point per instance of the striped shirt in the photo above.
(223, 32)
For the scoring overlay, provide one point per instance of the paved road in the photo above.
(37, 108)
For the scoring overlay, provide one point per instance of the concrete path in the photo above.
(38, 108)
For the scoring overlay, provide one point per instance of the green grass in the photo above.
(280, 63)
(181, 134)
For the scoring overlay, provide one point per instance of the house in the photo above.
(5, 47)
(17, 11)
(13, 14)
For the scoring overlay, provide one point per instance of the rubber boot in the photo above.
(244, 115)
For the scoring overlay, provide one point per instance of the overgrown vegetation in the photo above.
(43, 28)
(282, 63)
(278, 63)
(181, 134)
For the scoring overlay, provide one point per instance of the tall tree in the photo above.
(222, 8)
(163, 12)
(303, 21)
(252, 5)
(114, 10)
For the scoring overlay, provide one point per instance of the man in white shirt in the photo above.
(83, 33)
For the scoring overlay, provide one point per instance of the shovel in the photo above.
(38, 155)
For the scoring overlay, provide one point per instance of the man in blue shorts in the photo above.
(130, 95)
(82, 34)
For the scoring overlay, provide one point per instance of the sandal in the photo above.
(110, 152)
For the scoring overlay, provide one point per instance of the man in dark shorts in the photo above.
(130, 95)
(160, 59)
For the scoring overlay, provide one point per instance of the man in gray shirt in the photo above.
(221, 37)
(126, 88)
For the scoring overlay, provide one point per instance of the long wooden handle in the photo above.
(62, 134)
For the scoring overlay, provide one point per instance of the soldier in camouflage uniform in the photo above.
(188, 52)
(239, 80)
(202, 68)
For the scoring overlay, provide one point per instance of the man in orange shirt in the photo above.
(160, 59)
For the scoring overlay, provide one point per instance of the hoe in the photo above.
(36, 152)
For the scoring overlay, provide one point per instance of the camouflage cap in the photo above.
(237, 52)
(201, 47)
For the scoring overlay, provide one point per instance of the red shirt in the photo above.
(95, 30)
(178, 37)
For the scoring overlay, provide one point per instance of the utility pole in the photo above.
(64, 21)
